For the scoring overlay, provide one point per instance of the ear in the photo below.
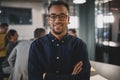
(47, 19)
(68, 20)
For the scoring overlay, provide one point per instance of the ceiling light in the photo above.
(79, 1)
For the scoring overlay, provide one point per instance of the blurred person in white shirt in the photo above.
(18, 58)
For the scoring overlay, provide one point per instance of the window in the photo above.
(15, 15)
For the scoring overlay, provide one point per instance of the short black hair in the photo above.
(58, 3)
(39, 32)
(73, 30)
(2, 25)
(10, 33)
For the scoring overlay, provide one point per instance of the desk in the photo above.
(111, 72)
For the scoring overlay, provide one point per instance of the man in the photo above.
(58, 55)
(3, 28)
(18, 58)
(12, 36)
(3, 32)
(3, 42)
(72, 32)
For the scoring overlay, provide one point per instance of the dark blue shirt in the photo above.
(57, 58)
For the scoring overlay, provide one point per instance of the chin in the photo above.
(58, 33)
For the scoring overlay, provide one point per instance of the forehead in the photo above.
(3, 27)
(58, 9)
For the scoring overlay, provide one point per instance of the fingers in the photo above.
(44, 75)
(77, 68)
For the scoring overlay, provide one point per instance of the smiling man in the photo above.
(58, 55)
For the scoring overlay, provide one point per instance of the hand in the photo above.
(77, 68)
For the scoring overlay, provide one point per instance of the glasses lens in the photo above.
(61, 17)
(53, 17)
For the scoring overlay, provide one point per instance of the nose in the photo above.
(57, 18)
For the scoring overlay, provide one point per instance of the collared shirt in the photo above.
(57, 58)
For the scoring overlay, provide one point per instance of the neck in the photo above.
(58, 36)
(12, 40)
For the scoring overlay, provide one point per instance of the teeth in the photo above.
(58, 24)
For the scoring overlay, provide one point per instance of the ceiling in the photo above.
(42, 1)
(25, 0)
(37, 0)
(114, 4)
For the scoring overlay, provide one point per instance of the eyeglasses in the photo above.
(61, 17)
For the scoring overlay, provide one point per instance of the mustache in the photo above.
(58, 24)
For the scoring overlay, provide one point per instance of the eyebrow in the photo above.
(59, 14)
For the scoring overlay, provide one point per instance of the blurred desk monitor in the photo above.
(108, 71)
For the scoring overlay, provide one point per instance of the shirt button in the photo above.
(57, 71)
(62, 41)
(52, 40)
(57, 44)
(57, 57)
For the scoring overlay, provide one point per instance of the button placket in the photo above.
(57, 44)
(58, 59)
(57, 63)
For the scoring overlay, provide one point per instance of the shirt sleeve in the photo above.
(82, 55)
(12, 57)
(34, 69)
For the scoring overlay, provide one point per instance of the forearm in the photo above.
(12, 58)
(11, 64)
(81, 71)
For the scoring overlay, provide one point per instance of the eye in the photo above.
(63, 16)
(53, 16)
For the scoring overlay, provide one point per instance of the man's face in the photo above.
(58, 19)
(15, 36)
(4, 30)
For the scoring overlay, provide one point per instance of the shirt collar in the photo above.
(53, 39)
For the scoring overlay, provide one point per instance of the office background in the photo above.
(86, 16)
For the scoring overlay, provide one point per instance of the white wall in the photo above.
(26, 31)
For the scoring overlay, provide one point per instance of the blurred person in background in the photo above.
(12, 37)
(3, 42)
(72, 32)
(18, 58)
(39, 32)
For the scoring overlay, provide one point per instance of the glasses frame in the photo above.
(53, 17)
